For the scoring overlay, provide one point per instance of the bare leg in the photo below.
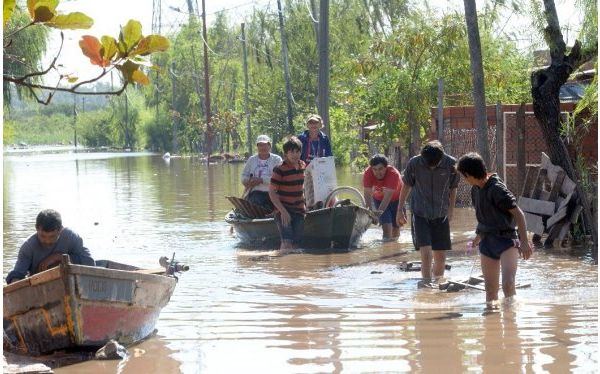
(491, 272)
(395, 232)
(508, 261)
(286, 247)
(387, 231)
(426, 257)
(439, 263)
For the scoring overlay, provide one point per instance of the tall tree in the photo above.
(478, 79)
(545, 88)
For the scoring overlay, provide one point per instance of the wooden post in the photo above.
(286, 71)
(206, 85)
(246, 111)
(440, 110)
(323, 94)
(500, 168)
(521, 161)
(531, 174)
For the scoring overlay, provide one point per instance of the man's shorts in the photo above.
(389, 214)
(493, 246)
(294, 230)
(432, 232)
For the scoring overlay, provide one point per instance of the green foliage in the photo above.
(18, 60)
(39, 129)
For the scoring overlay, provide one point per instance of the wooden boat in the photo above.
(338, 227)
(85, 306)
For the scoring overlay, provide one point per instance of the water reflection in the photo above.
(306, 312)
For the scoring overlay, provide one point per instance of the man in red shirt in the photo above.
(382, 185)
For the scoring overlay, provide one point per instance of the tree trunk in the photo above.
(478, 80)
(545, 87)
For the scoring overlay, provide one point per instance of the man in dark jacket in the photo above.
(45, 248)
(314, 142)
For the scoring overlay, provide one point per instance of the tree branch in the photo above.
(21, 80)
(552, 32)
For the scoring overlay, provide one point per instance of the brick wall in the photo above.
(463, 118)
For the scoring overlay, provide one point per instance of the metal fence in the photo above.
(456, 143)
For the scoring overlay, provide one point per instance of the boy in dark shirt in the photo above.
(287, 194)
(496, 210)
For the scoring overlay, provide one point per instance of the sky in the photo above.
(109, 15)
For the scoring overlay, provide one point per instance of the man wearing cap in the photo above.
(257, 173)
(314, 142)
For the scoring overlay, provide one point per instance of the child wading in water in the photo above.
(496, 210)
(287, 194)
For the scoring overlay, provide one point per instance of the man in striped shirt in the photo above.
(287, 194)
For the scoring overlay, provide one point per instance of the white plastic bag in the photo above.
(320, 179)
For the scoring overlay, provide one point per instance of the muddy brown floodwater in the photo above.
(350, 312)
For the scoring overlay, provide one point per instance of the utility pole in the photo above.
(323, 92)
(206, 85)
(75, 121)
(246, 111)
(175, 146)
(286, 71)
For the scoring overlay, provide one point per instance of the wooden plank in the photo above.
(557, 185)
(45, 276)
(564, 201)
(576, 213)
(554, 233)
(560, 214)
(529, 179)
(539, 184)
(545, 208)
(535, 223)
(564, 230)
(568, 185)
(152, 271)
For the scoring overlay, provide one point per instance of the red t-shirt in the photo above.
(391, 180)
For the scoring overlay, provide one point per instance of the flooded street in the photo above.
(302, 313)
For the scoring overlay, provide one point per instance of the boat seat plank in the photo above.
(248, 209)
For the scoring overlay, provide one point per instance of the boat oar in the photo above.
(247, 189)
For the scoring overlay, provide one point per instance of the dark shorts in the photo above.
(432, 232)
(389, 214)
(493, 246)
(294, 231)
(260, 198)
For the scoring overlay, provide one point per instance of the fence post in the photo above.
(500, 142)
(521, 159)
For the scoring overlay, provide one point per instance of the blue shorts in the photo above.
(294, 230)
(389, 214)
(493, 246)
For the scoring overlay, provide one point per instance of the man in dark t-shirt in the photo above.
(45, 248)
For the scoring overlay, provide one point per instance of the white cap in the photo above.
(263, 139)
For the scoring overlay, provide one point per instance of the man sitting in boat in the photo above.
(45, 248)
(314, 142)
(382, 184)
(257, 173)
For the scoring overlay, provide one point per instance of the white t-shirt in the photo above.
(261, 169)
